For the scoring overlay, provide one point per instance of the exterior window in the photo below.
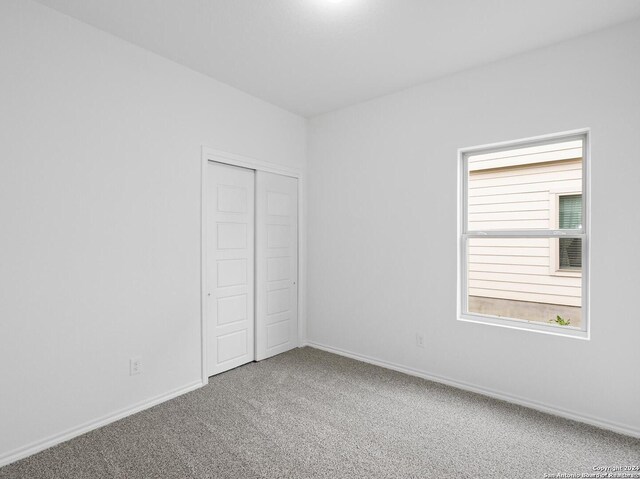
(523, 238)
(570, 249)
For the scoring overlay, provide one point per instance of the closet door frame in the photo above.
(217, 156)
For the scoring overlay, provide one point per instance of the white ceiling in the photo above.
(314, 56)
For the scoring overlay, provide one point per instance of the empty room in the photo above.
(254, 239)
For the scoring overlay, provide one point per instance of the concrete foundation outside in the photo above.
(542, 312)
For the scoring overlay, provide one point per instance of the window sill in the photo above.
(525, 325)
(567, 273)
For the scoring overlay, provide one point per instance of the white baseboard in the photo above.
(546, 408)
(55, 439)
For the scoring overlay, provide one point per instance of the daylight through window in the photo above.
(523, 242)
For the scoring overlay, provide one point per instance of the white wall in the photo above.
(382, 226)
(100, 218)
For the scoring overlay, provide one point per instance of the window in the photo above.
(524, 235)
(570, 249)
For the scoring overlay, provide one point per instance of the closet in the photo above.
(251, 265)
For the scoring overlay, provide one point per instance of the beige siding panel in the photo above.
(526, 287)
(509, 242)
(527, 150)
(523, 260)
(510, 215)
(509, 225)
(512, 198)
(527, 278)
(570, 154)
(545, 186)
(478, 180)
(508, 251)
(516, 206)
(525, 156)
(523, 296)
(524, 170)
(508, 268)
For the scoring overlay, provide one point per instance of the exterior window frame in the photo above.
(464, 234)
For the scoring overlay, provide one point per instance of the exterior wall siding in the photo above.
(519, 196)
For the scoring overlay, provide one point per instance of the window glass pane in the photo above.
(516, 189)
(517, 278)
(570, 253)
(570, 209)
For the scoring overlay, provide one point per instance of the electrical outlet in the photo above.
(135, 366)
(420, 340)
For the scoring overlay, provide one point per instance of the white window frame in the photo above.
(464, 234)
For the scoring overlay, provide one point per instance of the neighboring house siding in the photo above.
(508, 193)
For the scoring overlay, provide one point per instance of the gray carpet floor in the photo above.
(311, 414)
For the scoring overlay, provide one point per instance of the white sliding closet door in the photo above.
(276, 264)
(230, 267)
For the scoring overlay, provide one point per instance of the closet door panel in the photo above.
(276, 264)
(230, 267)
